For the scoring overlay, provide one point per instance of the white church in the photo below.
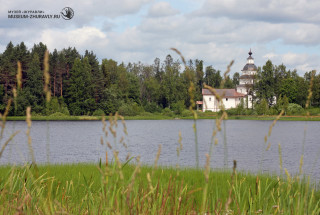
(232, 97)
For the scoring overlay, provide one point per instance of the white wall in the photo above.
(213, 105)
(209, 103)
(229, 103)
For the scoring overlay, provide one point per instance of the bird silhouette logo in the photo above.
(67, 13)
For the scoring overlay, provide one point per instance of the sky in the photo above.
(215, 31)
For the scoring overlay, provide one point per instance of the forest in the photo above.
(81, 84)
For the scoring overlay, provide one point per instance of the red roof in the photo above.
(199, 102)
(227, 93)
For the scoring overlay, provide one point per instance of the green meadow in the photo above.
(134, 189)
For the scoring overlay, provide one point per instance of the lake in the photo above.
(241, 140)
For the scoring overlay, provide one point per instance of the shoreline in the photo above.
(163, 117)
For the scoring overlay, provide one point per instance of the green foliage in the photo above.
(266, 84)
(172, 83)
(236, 78)
(130, 86)
(98, 112)
(251, 112)
(241, 107)
(282, 104)
(315, 101)
(85, 85)
(178, 107)
(262, 108)
(314, 111)
(57, 105)
(228, 83)
(212, 77)
(57, 115)
(130, 109)
(167, 112)
(152, 107)
(290, 89)
(295, 109)
(186, 113)
(111, 100)
(273, 111)
(79, 92)
(231, 112)
(109, 71)
(33, 90)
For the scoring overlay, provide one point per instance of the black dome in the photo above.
(249, 67)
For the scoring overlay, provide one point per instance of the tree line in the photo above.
(81, 85)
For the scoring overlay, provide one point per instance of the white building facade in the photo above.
(231, 98)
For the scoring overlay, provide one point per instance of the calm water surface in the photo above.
(80, 141)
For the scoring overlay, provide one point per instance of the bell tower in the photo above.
(246, 80)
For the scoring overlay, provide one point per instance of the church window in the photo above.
(226, 99)
(209, 99)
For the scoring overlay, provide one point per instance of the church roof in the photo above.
(226, 93)
(250, 67)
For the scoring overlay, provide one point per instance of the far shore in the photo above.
(164, 117)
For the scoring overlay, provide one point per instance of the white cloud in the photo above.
(82, 38)
(270, 56)
(293, 58)
(145, 29)
(161, 9)
(264, 10)
(306, 34)
(301, 62)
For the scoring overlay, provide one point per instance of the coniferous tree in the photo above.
(79, 91)
(54, 68)
(33, 90)
(23, 55)
(39, 49)
(8, 70)
(97, 76)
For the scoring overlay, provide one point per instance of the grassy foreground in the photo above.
(131, 189)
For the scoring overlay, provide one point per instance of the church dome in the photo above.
(250, 64)
(249, 67)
